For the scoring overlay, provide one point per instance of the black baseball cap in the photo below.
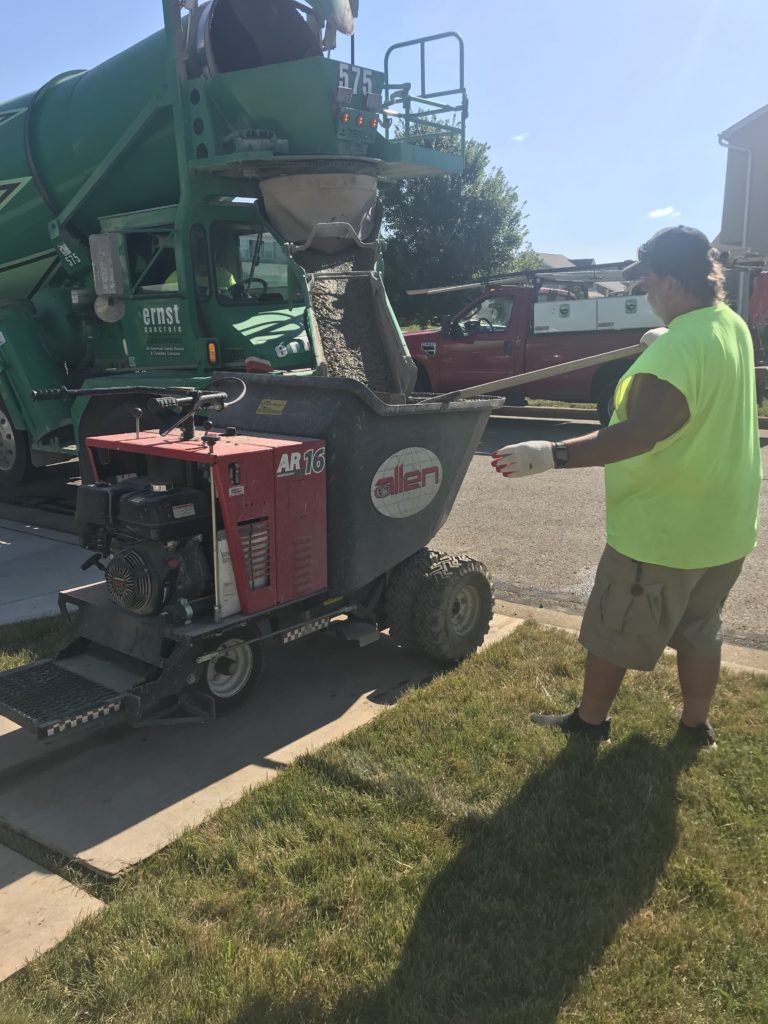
(669, 252)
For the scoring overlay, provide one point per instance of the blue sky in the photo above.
(600, 113)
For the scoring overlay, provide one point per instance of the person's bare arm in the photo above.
(656, 411)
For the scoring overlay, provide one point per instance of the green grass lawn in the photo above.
(449, 862)
(547, 402)
(27, 641)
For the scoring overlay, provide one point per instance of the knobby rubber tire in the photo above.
(457, 587)
(403, 586)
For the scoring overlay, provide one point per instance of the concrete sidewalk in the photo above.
(35, 564)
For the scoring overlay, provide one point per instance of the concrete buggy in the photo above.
(305, 505)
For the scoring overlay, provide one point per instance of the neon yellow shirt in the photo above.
(224, 279)
(692, 502)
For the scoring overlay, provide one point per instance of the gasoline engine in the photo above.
(150, 539)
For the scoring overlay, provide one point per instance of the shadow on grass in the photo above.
(540, 889)
(534, 898)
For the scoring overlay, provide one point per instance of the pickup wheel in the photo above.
(423, 383)
(605, 404)
(15, 463)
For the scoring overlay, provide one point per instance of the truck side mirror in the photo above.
(445, 325)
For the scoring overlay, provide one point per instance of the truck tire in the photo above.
(15, 463)
(605, 402)
(454, 608)
(232, 675)
(423, 383)
(402, 590)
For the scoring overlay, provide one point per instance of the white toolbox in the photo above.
(625, 312)
(565, 315)
(620, 313)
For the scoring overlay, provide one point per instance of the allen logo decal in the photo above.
(406, 482)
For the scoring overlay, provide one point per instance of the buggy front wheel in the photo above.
(232, 674)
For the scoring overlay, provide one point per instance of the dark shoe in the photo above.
(702, 735)
(573, 724)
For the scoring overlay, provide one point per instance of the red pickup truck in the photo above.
(516, 328)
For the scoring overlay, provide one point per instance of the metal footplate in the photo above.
(48, 699)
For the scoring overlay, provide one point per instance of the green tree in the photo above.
(450, 230)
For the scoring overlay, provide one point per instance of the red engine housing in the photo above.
(271, 504)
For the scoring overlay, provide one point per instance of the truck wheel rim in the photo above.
(7, 444)
(225, 685)
(464, 609)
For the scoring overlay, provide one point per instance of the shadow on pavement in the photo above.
(114, 797)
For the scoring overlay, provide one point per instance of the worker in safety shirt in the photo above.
(225, 280)
(682, 481)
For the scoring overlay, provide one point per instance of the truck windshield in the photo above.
(250, 267)
(488, 316)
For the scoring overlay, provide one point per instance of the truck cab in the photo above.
(517, 328)
(220, 293)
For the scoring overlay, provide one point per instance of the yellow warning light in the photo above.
(213, 353)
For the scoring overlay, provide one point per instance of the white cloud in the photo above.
(664, 211)
(520, 138)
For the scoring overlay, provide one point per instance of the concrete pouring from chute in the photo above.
(336, 15)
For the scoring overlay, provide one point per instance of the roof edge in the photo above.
(755, 116)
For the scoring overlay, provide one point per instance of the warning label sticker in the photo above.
(183, 511)
(271, 407)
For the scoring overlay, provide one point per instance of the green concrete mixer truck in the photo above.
(203, 202)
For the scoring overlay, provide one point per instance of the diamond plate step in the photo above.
(48, 699)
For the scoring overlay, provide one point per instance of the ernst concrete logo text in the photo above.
(161, 319)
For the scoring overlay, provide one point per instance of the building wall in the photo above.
(746, 187)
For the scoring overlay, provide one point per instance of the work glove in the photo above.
(524, 459)
(650, 336)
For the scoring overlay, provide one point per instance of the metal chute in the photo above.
(338, 14)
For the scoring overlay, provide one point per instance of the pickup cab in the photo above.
(517, 328)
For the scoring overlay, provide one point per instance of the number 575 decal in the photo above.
(355, 78)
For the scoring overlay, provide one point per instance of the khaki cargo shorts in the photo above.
(637, 609)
